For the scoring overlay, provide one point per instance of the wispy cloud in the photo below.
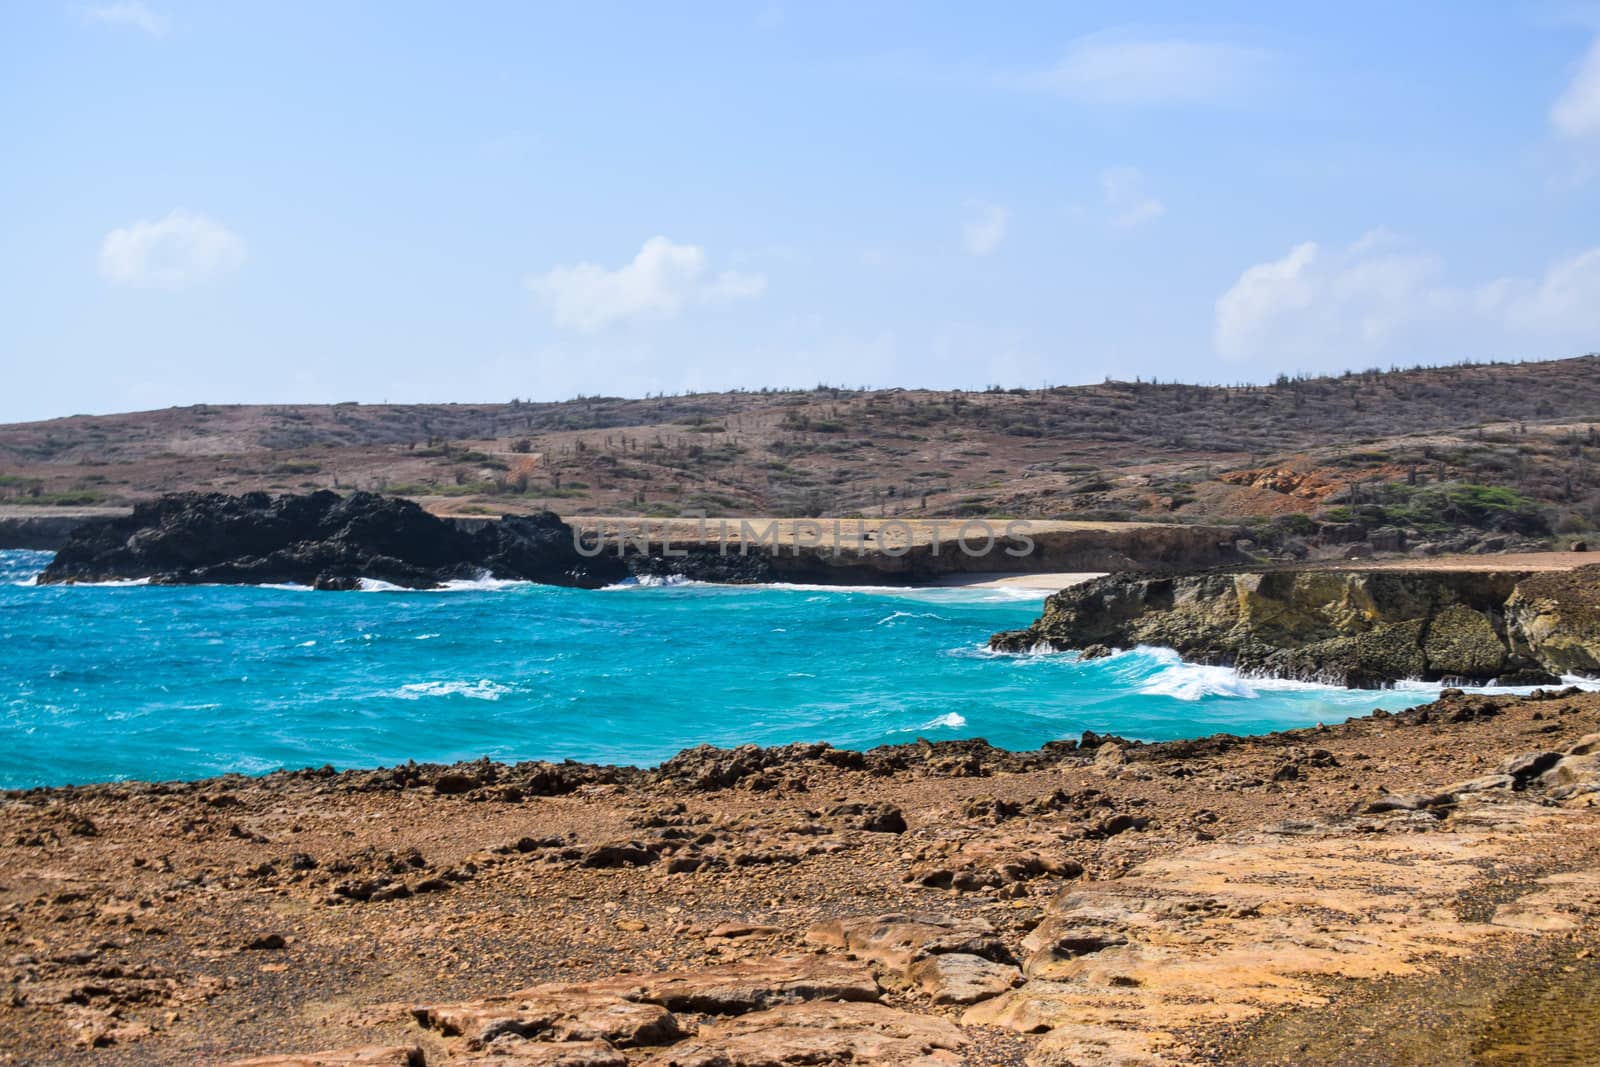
(1379, 297)
(171, 253)
(661, 280)
(1576, 112)
(1131, 68)
(985, 227)
(130, 13)
(1128, 202)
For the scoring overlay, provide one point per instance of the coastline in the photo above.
(1045, 582)
(940, 903)
(222, 915)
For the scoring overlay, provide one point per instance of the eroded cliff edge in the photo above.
(1353, 627)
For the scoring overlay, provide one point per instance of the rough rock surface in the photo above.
(1555, 618)
(363, 1056)
(554, 1012)
(1359, 628)
(747, 985)
(1223, 932)
(320, 539)
(960, 978)
(332, 542)
(1183, 902)
(868, 1035)
(900, 941)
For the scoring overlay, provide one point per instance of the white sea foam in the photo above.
(482, 583)
(1412, 685)
(950, 720)
(1038, 650)
(1194, 681)
(482, 689)
(888, 620)
(809, 587)
(652, 581)
(1190, 681)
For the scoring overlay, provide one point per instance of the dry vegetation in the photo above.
(1508, 447)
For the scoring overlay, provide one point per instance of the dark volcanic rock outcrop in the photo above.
(1359, 628)
(705, 565)
(320, 539)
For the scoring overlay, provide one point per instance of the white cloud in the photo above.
(985, 227)
(1127, 200)
(661, 280)
(130, 13)
(1566, 299)
(1380, 298)
(1576, 112)
(1119, 67)
(179, 250)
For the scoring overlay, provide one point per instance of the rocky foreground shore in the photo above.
(1358, 627)
(1412, 888)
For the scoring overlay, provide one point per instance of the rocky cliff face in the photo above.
(320, 539)
(1556, 618)
(1359, 628)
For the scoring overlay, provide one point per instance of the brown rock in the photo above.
(960, 978)
(542, 1054)
(559, 1012)
(899, 940)
(735, 931)
(365, 1056)
(748, 985)
(265, 943)
(619, 854)
(1586, 745)
(820, 1033)
(1572, 770)
(455, 784)
(875, 818)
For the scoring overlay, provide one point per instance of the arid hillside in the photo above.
(1509, 448)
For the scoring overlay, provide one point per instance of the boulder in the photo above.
(962, 978)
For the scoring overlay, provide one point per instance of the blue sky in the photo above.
(321, 202)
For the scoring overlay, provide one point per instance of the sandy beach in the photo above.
(1046, 583)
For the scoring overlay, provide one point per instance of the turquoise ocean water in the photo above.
(150, 682)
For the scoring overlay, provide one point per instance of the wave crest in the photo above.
(482, 689)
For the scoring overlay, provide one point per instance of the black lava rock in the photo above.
(323, 540)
